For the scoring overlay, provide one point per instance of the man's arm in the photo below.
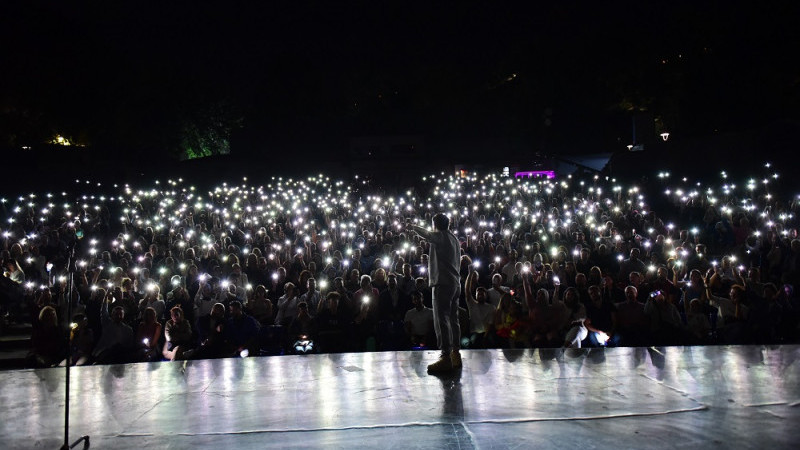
(469, 286)
(526, 288)
(280, 313)
(430, 236)
(104, 315)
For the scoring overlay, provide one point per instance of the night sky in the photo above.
(559, 76)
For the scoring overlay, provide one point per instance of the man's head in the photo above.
(338, 283)
(117, 314)
(416, 299)
(236, 309)
(365, 282)
(700, 249)
(218, 311)
(481, 295)
(333, 300)
(441, 222)
(176, 313)
(580, 280)
(630, 293)
(737, 293)
(302, 309)
(497, 280)
(594, 295)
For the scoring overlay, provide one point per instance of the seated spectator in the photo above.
(366, 320)
(632, 264)
(125, 297)
(666, 327)
(116, 340)
(496, 291)
(311, 296)
(151, 300)
(241, 330)
(406, 282)
(12, 291)
(426, 291)
(204, 300)
(698, 323)
(481, 312)
(177, 335)
(632, 323)
(419, 323)
(392, 302)
(81, 341)
(333, 320)
(214, 345)
(287, 305)
(668, 289)
(601, 318)
(179, 297)
(543, 322)
(48, 342)
(259, 306)
(345, 297)
(574, 329)
(148, 335)
(13, 271)
(303, 326)
(392, 307)
(501, 323)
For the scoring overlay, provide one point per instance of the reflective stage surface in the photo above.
(743, 397)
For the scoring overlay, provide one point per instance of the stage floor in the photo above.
(742, 397)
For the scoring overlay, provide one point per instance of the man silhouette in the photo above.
(443, 277)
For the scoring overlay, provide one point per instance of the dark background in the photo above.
(289, 84)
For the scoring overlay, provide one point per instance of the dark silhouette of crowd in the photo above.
(315, 265)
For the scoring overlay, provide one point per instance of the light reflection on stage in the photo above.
(620, 397)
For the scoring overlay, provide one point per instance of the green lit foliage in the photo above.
(207, 131)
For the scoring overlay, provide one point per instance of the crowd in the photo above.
(316, 265)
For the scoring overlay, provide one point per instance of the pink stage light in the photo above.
(535, 173)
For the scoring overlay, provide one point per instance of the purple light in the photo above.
(535, 173)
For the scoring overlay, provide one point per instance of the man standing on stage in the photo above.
(443, 272)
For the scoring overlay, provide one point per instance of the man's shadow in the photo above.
(453, 402)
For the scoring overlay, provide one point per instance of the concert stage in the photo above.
(609, 398)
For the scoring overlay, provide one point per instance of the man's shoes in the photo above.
(444, 364)
(455, 359)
